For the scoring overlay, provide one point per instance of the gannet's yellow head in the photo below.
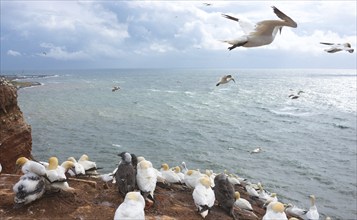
(132, 196)
(140, 158)
(67, 165)
(273, 195)
(206, 181)
(21, 161)
(144, 164)
(165, 166)
(236, 195)
(52, 163)
(189, 172)
(71, 159)
(177, 169)
(278, 207)
(84, 157)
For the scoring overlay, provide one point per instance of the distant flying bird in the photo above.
(207, 4)
(262, 33)
(115, 88)
(225, 79)
(44, 53)
(338, 47)
(292, 96)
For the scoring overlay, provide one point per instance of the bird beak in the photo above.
(280, 29)
(233, 80)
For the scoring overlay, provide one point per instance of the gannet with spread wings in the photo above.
(262, 33)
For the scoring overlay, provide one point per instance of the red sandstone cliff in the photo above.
(15, 133)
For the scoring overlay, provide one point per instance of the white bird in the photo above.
(251, 190)
(28, 166)
(203, 196)
(262, 33)
(90, 167)
(177, 170)
(191, 178)
(146, 179)
(312, 213)
(256, 150)
(57, 174)
(29, 188)
(169, 175)
(131, 208)
(225, 79)
(338, 47)
(0, 168)
(275, 210)
(78, 168)
(242, 203)
(294, 211)
(233, 179)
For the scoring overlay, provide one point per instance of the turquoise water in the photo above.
(166, 115)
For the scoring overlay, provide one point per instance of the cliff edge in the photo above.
(15, 133)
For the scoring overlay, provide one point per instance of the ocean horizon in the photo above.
(309, 144)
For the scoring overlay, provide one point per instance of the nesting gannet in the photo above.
(203, 196)
(211, 175)
(251, 190)
(184, 167)
(125, 175)
(90, 167)
(169, 175)
(27, 166)
(131, 208)
(57, 174)
(262, 33)
(224, 193)
(233, 179)
(29, 188)
(312, 213)
(78, 168)
(338, 47)
(177, 170)
(225, 79)
(294, 211)
(242, 203)
(275, 210)
(191, 177)
(146, 179)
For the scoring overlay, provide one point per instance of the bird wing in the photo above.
(326, 43)
(244, 24)
(290, 22)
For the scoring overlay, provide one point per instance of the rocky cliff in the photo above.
(15, 133)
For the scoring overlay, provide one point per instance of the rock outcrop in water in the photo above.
(15, 133)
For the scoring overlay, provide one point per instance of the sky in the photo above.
(170, 34)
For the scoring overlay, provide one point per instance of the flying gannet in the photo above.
(262, 33)
(338, 47)
(225, 79)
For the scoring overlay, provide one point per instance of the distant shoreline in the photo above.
(20, 81)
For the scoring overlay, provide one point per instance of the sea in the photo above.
(309, 144)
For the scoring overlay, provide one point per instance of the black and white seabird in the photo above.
(262, 33)
(338, 47)
(125, 175)
(225, 79)
(225, 194)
